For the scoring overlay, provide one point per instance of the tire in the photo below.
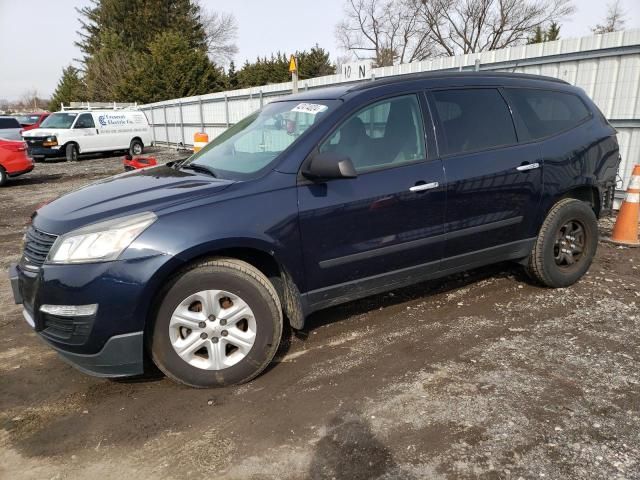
(190, 318)
(4, 178)
(136, 147)
(71, 152)
(558, 265)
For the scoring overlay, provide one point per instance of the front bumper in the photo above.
(44, 152)
(109, 343)
(121, 356)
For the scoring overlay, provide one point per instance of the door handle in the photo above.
(528, 166)
(424, 186)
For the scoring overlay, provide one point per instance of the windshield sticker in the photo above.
(310, 108)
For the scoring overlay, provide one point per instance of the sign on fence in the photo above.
(356, 70)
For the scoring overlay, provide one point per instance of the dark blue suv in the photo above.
(317, 199)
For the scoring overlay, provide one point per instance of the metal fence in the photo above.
(606, 66)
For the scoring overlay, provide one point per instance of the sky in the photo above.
(37, 36)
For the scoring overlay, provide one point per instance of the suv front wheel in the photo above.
(566, 244)
(218, 324)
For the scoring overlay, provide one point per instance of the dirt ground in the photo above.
(479, 375)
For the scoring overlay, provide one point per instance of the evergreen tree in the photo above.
(172, 70)
(137, 22)
(232, 77)
(263, 71)
(541, 35)
(553, 32)
(70, 88)
(315, 63)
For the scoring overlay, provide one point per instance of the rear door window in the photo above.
(473, 119)
(546, 112)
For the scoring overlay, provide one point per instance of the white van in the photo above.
(73, 132)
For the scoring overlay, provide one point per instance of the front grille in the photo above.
(36, 247)
(35, 141)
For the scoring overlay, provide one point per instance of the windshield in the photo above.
(253, 143)
(27, 119)
(59, 120)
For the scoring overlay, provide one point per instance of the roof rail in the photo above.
(99, 106)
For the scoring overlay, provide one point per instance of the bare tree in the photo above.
(398, 31)
(614, 21)
(386, 31)
(29, 100)
(468, 26)
(221, 30)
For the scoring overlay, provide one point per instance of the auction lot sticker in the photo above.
(311, 108)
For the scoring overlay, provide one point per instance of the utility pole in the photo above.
(293, 69)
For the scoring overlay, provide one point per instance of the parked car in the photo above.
(29, 121)
(10, 128)
(74, 132)
(318, 199)
(13, 159)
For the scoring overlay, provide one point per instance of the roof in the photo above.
(439, 75)
(339, 91)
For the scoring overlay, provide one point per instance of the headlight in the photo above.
(50, 141)
(100, 242)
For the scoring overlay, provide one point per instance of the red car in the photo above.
(13, 159)
(29, 121)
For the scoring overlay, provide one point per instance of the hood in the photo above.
(149, 189)
(43, 132)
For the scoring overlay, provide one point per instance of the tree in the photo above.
(70, 88)
(137, 22)
(541, 35)
(232, 76)
(221, 30)
(398, 31)
(469, 26)
(614, 21)
(173, 70)
(553, 32)
(263, 71)
(384, 31)
(109, 70)
(314, 63)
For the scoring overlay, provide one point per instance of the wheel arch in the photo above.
(137, 138)
(587, 193)
(71, 142)
(261, 258)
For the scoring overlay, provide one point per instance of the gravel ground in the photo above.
(479, 375)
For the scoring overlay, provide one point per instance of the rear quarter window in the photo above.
(543, 113)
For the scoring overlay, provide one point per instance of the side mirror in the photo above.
(326, 165)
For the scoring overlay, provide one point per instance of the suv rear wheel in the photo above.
(218, 324)
(71, 152)
(566, 244)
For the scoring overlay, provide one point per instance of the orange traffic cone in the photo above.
(625, 231)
